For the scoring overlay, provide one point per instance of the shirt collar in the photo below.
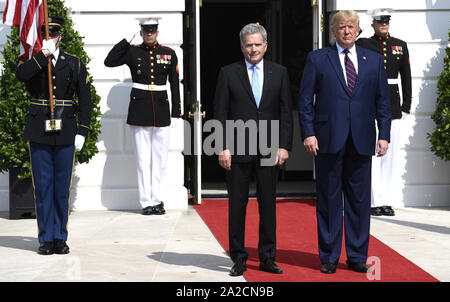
(259, 65)
(340, 49)
(56, 54)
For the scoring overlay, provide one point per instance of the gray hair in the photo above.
(252, 28)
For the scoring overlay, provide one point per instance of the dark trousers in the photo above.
(238, 181)
(343, 183)
(52, 174)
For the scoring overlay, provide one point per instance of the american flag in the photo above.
(28, 16)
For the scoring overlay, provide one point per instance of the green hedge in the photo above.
(440, 137)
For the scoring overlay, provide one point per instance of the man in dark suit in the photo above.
(52, 149)
(351, 92)
(256, 92)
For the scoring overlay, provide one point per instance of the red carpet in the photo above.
(297, 251)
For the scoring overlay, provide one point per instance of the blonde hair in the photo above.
(345, 15)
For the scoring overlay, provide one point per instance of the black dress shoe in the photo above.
(328, 268)
(270, 267)
(46, 248)
(154, 210)
(359, 267)
(387, 211)
(375, 211)
(238, 268)
(60, 247)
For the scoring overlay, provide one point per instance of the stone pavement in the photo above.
(178, 247)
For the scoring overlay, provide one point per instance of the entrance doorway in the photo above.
(290, 36)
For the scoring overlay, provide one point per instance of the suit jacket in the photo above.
(149, 65)
(234, 101)
(335, 111)
(69, 78)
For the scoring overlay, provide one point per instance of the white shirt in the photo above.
(259, 70)
(56, 55)
(352, 55)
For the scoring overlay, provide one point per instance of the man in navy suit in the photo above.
(338, 127)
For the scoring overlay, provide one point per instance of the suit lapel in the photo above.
(267, 79)
(243, 74)
(362, 61)
(336, 63)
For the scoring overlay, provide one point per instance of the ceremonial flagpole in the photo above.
(50, 82)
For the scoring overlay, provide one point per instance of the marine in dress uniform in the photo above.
(149, 113)
(396, 62)
(52, 152)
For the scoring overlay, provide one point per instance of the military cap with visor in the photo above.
(149, 24)
(54, 26)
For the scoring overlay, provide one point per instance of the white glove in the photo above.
(174, 121)
(79, 142)
(49, 45)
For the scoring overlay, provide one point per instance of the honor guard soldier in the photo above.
(54, 136)
(149, 113)
(396, 62)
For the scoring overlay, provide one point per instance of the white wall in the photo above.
(423, 24)
(109, 180)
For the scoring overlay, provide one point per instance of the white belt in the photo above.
(393, 81)
(150, 87)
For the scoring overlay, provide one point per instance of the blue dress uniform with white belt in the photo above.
(396, 62)
(149, 113)
(52, 153)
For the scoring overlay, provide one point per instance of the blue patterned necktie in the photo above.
(350, 70)
(255, 85)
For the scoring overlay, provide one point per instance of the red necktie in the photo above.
(350, 70)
